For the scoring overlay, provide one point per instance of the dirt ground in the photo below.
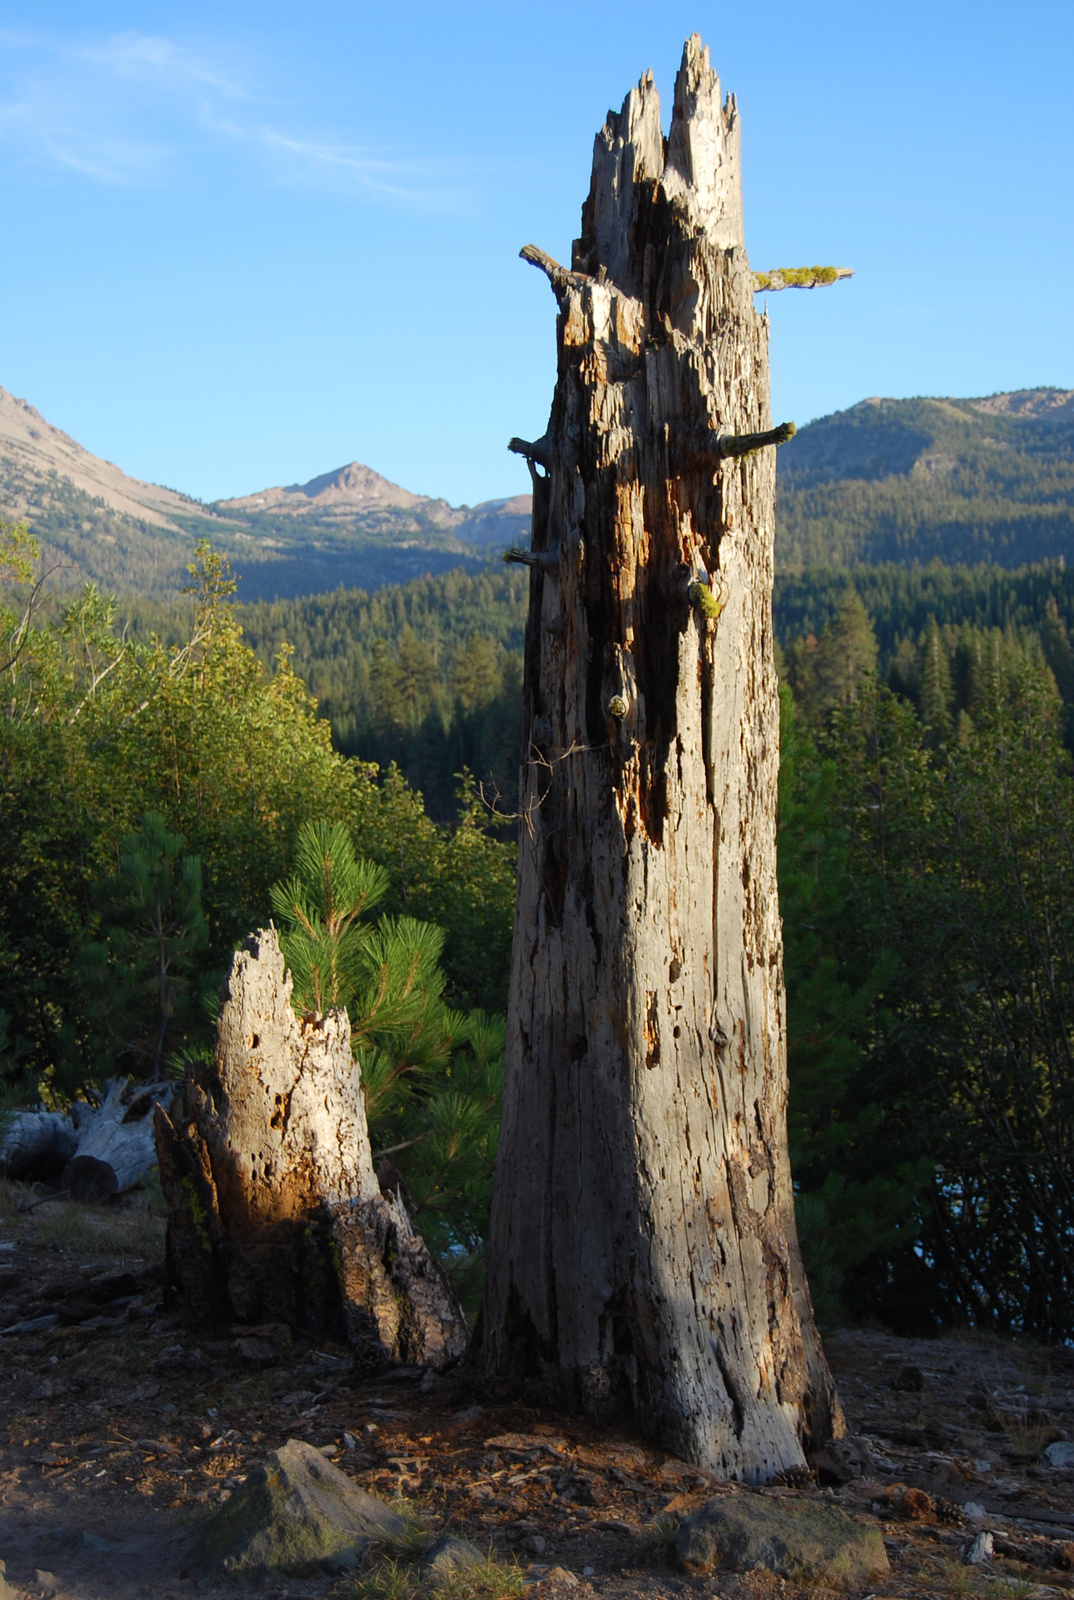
(119, 1430)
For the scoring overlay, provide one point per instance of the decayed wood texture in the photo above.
(275, 1214)
(98, 1149)
(642, 1252)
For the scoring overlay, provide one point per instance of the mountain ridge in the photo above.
(349, 527)
(989, 478)
(963, 481)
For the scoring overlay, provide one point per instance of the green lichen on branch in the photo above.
(798, 278)
(709, 604)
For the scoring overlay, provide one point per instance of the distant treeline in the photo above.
(428, 674)
(902, 600)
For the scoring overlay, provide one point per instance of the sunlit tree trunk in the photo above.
(643, 1256)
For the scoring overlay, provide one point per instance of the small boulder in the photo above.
(841, 1460)
(807, 1540)
(979, 1553)
(449, 1556)
(1060, 1455)
(295, 1514)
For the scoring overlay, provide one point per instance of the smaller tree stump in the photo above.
(275, 1213)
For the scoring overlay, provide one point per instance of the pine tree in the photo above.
(846, 654)
(431, 1078)
(934, 691)
(140, 977)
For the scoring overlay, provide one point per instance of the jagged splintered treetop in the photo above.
(640, 181)
(697, 170)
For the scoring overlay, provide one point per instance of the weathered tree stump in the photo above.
(275, 1214)
(642, 1253)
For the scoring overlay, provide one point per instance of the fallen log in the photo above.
(36, 1144)
(115, 1144)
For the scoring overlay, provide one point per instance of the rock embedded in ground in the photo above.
(447, 1557)
(293, 1515)
(841, 1460)
(812, 1542)
(1060, 1455)
(980, 1552)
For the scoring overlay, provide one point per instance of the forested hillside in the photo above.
(157, 776)
(912, 481)
(348, 526)
(428, 674)
(927, 813)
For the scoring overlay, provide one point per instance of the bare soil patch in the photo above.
(120, 1428)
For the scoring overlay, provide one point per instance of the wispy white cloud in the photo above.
(138, 110)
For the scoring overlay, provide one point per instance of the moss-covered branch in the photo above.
(798, 278)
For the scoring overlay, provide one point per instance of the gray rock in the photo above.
(295, 1514)
(979, 1553)
(840, 1460)
(448, 1556)
(807, 1540)
(1060, 1454)
(34, 1325)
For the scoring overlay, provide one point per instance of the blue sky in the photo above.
(244, 244)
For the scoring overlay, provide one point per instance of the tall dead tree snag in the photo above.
(642, 1252)
(275, 1212)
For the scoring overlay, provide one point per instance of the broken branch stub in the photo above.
(275, 1213)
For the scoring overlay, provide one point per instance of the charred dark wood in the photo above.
(544, 560)
(702, 448)
(561, 278)
(540, 450)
